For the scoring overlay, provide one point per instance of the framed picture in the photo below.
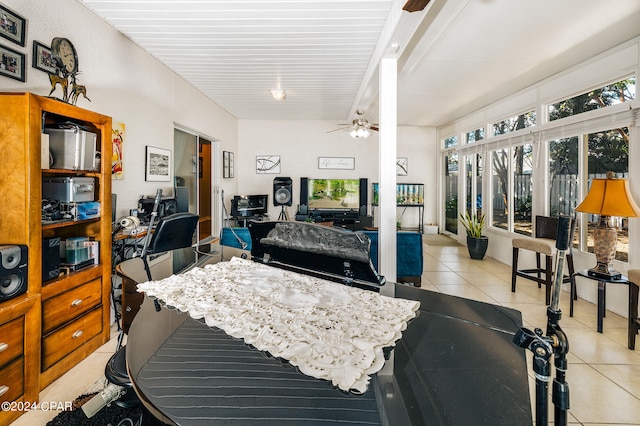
(267, 164)
(42, 59)
(227, 164)
(402, 166)
(12, 26)
(340, 163)
(157, 164)
(12, 64)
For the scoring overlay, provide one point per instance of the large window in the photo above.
(473, 183)
(500, 188)
(522, 189)
(514, 123)
(451, 193)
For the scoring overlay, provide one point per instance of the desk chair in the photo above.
(544, 243)
(172, 232)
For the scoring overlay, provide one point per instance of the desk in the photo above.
(602, 303)
(456, 364)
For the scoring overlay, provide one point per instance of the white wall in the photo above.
(299, 143)
(124, 82)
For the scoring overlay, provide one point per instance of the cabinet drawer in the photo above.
(65, 340)
(11, 340)
(66, 306)
(11, 380)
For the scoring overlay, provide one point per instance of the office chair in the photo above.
(543, 243)
(172, 232)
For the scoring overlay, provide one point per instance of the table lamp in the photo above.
(607, 197)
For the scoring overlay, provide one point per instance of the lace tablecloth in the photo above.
(326, 329)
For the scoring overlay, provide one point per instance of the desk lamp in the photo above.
(607, 197)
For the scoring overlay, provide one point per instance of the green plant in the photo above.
(473, 223)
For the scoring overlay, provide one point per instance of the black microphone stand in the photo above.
(554, 343)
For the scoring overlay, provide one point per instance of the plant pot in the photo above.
(477, 247)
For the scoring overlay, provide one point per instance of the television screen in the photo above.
(334, 194)
(248, 205)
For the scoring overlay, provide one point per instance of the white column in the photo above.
(387, 171)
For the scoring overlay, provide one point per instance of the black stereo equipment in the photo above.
(282, 191)
(50, 258)
(167, 207)
(13, 271)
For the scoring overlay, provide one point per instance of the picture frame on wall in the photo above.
(402, 166)
(157, 164)
(12, 64)
(267, 164)
(42, 58)
(337, 163)
(13, 27)
(227, 164)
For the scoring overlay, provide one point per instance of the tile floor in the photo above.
(603, 375)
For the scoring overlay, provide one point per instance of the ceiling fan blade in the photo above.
(415, 5)
(375, 127)
(343, 129)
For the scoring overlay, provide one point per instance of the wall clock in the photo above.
(65, 55)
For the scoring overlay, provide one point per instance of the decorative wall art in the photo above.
(227, 164)
(157, 164)
(339, 163)
(117, 138)
(402, 166)
(42, 58)
(12, 64)
(12, 26)
(267, 164)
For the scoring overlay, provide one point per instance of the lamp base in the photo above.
(605, 272)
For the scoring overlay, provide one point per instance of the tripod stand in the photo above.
(554, 343)
(283, 214)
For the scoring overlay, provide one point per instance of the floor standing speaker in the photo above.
(282, 191)
(13, 271)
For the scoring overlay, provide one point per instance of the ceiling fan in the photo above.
(358, 128)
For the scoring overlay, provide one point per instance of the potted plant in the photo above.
(476, 243)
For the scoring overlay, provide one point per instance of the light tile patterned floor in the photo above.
(603, 375)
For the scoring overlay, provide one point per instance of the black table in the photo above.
(602, 303)
(455, 365)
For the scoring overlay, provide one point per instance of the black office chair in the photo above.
(172, 232)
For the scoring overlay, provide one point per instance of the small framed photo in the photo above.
(12, 64)
(268, 164)
(402, 166)
(157, 164)
(227, 164)
(42, 58)
(13, 27)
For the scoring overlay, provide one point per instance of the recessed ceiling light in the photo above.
(278, 94)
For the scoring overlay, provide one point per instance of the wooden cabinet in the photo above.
(19, 353)
(73, 309)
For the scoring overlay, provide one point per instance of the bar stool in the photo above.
(544, 243)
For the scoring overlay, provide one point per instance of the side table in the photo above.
(633, 302)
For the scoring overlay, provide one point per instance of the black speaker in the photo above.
(13, 271)
(364, 196)
(50, 258)
(304, 195)
(282, 195)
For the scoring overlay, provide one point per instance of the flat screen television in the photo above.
(243, 206)
(333, 194)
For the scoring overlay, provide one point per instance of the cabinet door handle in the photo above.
(76, 302)
(77, 334)
(4, 389)
(3, 346)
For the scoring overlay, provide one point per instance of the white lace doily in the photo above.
(326, 329)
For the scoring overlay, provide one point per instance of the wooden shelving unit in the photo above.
(73, 310)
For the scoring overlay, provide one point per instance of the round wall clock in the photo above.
(65, 55)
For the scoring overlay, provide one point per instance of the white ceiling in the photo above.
(454, 57)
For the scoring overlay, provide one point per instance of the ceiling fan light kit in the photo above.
(360, 132)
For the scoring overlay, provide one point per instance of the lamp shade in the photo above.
(609, 197)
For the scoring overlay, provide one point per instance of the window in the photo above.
(473, 184)
(451, 192)
(563, 176)
(622, 91)
(522, 189)
(451, 142)
(514, 123)
(500, 188)
(475, 135)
